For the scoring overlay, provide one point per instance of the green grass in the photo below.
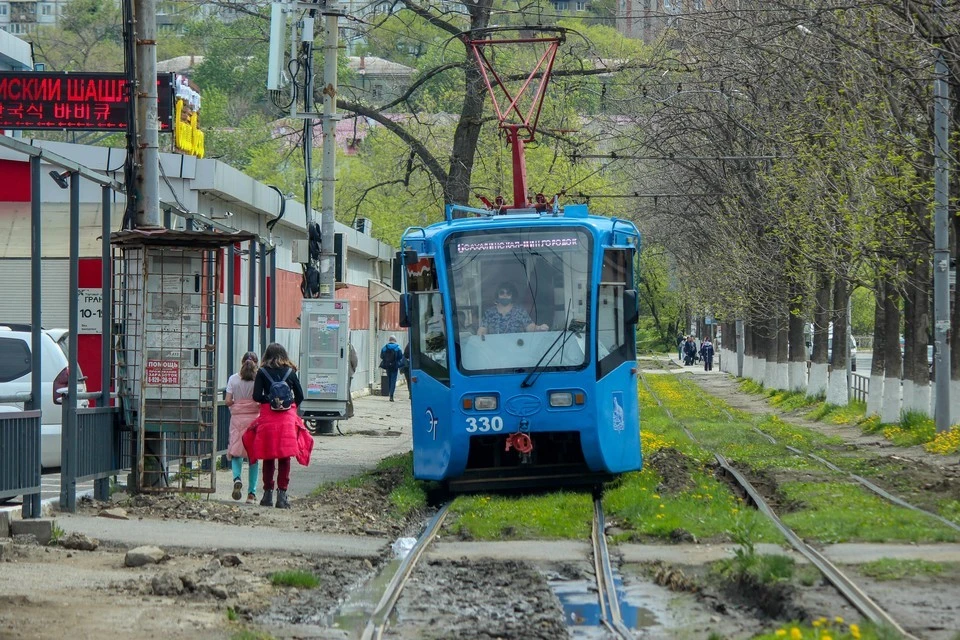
(247, 634)
(851, 414)
(835, 628)
(299, 579)
(408, 496)
(551, 516)
(914, 428)
(897, 569)
(842, 512)
(231, 614)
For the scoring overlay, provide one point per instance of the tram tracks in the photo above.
(610, 616)
(847, 587)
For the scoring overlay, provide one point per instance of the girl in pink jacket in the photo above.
(243, 410)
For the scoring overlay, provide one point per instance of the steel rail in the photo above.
(886, 495)
(606, 587)
(379, 619)
(854, 595)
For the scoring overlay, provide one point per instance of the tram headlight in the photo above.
(561, 399)
(485, 403)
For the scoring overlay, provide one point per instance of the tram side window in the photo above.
(615, 341)
(429, 334)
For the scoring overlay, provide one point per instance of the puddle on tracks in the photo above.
(354, 614)
(644, 606)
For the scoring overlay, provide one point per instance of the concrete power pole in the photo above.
(148, 152)
(331, 15)
(941, 238)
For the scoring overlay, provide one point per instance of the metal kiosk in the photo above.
(166, 291)
(324, 360)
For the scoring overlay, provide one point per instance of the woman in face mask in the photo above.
(505, 317)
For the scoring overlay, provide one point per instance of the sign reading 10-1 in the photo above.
(90, 311)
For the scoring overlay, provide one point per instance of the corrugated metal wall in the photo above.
(15, 292)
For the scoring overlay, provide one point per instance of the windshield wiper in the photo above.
(575, 328)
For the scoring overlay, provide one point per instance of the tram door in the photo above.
(324, 356)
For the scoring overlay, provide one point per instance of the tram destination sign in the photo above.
(74, 101)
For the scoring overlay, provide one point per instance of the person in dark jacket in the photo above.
(391, 359)
(354, 362)
(275, 440)
(706, 353)
(689, 351)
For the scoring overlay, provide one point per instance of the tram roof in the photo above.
(572, 215)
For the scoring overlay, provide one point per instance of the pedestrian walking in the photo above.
(354, 361)
(391, 359)
(689, 351)
(278, 433)
(680, 340)
(405, 367)
(706, 353)
(243, 411)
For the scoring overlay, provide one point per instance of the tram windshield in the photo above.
(520, 298)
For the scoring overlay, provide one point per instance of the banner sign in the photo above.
(74, 101)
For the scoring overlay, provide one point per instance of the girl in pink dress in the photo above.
(243, 411)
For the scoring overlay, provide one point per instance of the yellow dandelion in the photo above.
(826, 636)
(796, 634)
(817, 623)
(855, 631)
(780, 633)
(838, 620)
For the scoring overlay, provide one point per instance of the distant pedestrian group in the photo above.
(264, 397)
(691, 353)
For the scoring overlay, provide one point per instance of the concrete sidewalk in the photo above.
(378, 429)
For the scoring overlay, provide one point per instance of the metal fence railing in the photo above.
(100, 444)
(859, 387)
(19, 453)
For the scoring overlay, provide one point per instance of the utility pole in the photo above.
(148, 150)
(941, 237)
(331, 15)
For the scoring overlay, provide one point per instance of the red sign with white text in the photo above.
(76, 101)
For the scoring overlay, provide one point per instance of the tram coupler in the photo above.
(521, 442)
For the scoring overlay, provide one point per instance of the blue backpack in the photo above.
(279, 395)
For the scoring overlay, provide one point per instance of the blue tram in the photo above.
(523, 358)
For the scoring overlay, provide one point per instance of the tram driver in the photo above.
(505, 317)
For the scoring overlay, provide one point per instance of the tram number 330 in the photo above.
(484, 424)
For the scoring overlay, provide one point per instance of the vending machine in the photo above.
(324, 358)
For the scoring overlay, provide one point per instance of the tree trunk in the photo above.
(838, 387)
(890, 406)
(781, 379)
(916, 334)
(955, 321)
(797, 368)
(747, 348)
(817, 386)
(770, 349)
(875, 391)
(467, 134)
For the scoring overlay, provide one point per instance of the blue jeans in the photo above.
(392, 380)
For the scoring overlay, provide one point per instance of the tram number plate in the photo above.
(484, 424)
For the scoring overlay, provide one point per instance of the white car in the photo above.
(15, 378)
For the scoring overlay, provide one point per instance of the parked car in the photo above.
(15, 377)
(808, 339)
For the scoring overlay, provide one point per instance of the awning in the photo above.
(380, 292)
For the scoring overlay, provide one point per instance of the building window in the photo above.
(45, 10)
(4, 8)
(581, 6)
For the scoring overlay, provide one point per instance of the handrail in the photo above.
(87, 395)
(20, 396)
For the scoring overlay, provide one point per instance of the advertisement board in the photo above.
(74, 101)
